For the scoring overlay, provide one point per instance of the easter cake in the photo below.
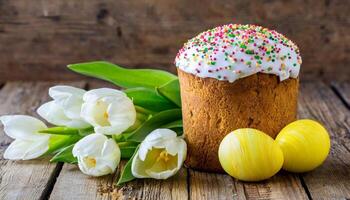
(235, 76)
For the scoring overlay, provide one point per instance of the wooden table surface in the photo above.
(39, 179)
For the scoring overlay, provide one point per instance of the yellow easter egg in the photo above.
(305, 145)
(250, 155)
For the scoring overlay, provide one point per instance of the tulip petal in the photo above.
(122, 114)
(94, 113)
(159, 138)
(156, 172)
(27, 149)
(96, 94)
(110, 147)
(97, 155)
(182, 152)
(160, 155)
(54, 114)
(109, 111)
(90, 145)
(69, 98)
(111, 154)
(22, 127)
(137, 167)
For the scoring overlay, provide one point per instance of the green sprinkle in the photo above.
(243, 46)
(249, 52)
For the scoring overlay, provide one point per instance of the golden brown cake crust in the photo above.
(211, 109)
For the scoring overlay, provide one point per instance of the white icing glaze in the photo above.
(231, 52)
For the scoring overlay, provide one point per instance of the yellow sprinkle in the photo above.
(283, 66)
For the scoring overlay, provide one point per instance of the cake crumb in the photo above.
(116, 193)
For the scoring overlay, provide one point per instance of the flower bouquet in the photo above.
(95, 129)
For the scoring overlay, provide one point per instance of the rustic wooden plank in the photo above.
(331, 180)
(343, 90)
(42, 38)
(74, 184)
(214, 186)
(24, 179)
(220, 186)
(151, 189)
(282, 186)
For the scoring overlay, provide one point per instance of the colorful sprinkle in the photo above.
(235, 48)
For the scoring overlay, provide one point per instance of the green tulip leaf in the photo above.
(127, 152)
(126, 174)
(171, 91)
(174, 124)
(123, 77)
(65, 155)
(154, 122)
(179, 131)
(61, 130)
(58, 142)
(149, 99)
(127, 149)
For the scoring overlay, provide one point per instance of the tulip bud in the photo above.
(250, 155)
(305, 145)
(29, 143)
(97, 155)
(109, 111)
(65, 108)
(160, 155)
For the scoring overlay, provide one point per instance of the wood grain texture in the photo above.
(150, 189)
(39, 39)
(330, 180)
(213, 186)
(74, 184)
(284, 185)
(24, 179)
(220, 186)
(343, 90)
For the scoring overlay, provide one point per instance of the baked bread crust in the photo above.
(212, 108)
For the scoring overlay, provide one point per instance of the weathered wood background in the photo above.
(38, 38)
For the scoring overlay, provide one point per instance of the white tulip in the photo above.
(97, 155)
(109, 111)
(65, 108)
(29, 143)
(160, 155)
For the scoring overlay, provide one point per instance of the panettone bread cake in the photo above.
(235, 76)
